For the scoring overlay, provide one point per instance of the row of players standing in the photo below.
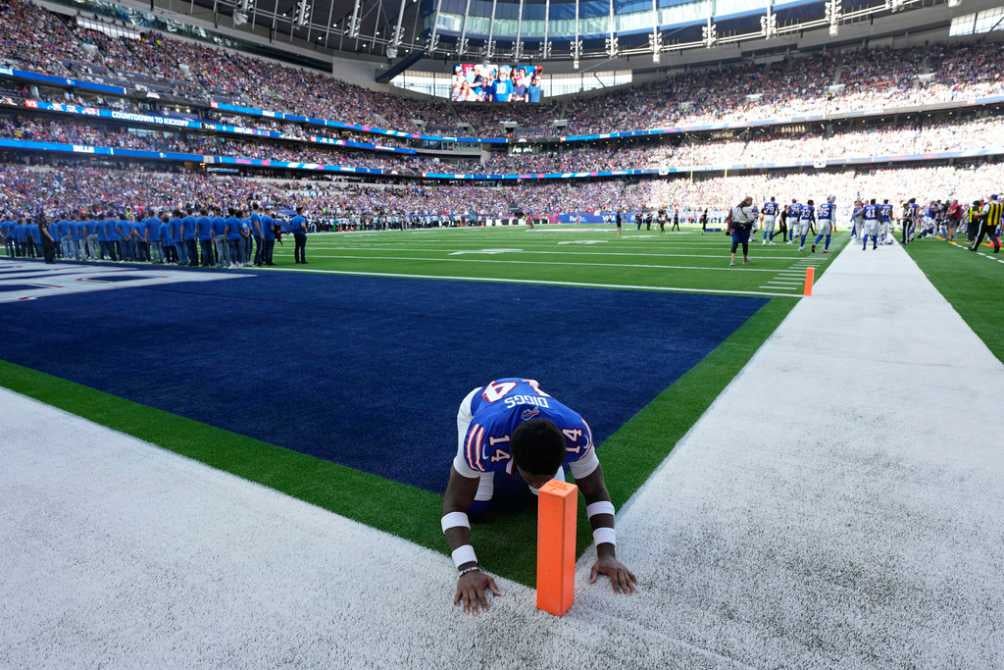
(796, 221)
(197, 237)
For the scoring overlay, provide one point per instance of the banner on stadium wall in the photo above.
(191, 124)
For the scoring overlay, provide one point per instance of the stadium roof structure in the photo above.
(546, 30)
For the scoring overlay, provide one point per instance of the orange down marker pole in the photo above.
(810, 278)
(557, 507)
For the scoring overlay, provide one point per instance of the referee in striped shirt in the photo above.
(992, 214)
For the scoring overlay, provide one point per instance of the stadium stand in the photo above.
(866, 79)
(946, 149)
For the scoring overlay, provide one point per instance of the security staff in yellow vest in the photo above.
(992, 214)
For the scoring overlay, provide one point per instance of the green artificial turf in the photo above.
(971, 282)
(684, 260)
(505, 546)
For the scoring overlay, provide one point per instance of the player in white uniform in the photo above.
(768, 216)
(794, 227)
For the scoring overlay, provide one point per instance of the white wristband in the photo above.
(454, 520)
(601, 507)
(604, 536)
(464, 554)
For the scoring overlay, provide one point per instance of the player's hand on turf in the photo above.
(472, 591)
(622, 579)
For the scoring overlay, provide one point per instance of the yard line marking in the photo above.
(641, 266)
(543, 282)
(562, 252)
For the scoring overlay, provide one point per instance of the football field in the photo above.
(337, 382)
(577, 255)
(970, 281)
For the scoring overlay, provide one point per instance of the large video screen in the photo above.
(502, 84)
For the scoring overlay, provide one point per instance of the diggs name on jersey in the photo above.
(500, 408)
(515, 400)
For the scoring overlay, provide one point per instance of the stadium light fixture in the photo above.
(434, 37)
(354, 20)
(833, 13)
(490, 44)
(611, 41)
(545, 46)
(709, 34)
(768, 22)
(655, 44)
(462, 42)
(517, 45)
(576, 42)
(303, 10)
(655, 39)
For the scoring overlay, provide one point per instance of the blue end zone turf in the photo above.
(366, 371)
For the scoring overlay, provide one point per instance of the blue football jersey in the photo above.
(501, 407)
(793, 210)
(806, 212)
(770, 209)
(871, 212)
(885, 212)
(827, 210)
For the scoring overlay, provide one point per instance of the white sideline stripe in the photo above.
(556, 253)
(981, 253)
(542, 282)
(516, 262)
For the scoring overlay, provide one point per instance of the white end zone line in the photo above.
(540, 282)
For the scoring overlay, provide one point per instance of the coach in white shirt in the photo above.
(743, 216)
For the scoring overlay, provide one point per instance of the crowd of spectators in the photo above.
(834, 81)
(27, 191)
(784, 145)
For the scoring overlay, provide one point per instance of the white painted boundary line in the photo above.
(568, 263)
(561, 252)
(990, 257)
(540, 282)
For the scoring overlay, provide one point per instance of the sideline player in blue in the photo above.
(511, 432)
(827, 215)
(871, 217)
